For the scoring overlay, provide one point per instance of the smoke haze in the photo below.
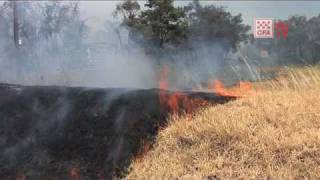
(80, 55)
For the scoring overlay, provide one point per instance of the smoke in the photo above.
(67, 56)
(74, 56)
(71, 55)
(114, 62)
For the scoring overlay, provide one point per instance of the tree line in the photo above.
(158, 26)
(33, 34)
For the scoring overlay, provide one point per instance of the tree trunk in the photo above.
(16, 37)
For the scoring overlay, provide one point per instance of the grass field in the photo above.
(274, 133)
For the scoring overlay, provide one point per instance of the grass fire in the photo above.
(159, 89)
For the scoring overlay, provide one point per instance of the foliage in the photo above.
(128, 10)
(215, 24)
(47, 30)
(160, 23)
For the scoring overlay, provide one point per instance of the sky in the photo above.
(99, 11)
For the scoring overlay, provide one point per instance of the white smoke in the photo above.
(78, 57)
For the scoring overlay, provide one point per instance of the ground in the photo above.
(272, 133)
(50, 132)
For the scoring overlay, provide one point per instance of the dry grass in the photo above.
(274, 134)
(294, 78)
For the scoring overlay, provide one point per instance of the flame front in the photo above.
(21, 177)
(170, 101)
(74, 173)
(177, 100)
(163, 80)
(240, 90)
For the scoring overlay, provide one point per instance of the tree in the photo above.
(213, 24)
(10, 10)
(313, 29)
(57, 16)
(5, 23)
(163, 23)
(160, 24)
(16, 24)
(128, 10)
(51, 32)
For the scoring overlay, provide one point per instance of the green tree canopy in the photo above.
(162, 24)
(214, 24)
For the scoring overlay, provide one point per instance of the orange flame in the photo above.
(100, 175)
(245, 86)
(163, 81)
(240, 90)
(74, 173)
(176, 100)
(21, 177)
(145, 148)
(171, 101)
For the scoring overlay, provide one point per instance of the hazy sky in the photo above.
(99, 11)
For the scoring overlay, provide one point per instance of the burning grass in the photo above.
(274, 134)
(178, 100)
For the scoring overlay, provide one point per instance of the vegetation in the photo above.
(47, 30)
(272, 134)
(162, 24)
(212, 24)
(49, 19)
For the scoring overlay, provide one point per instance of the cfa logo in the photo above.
(264, 28)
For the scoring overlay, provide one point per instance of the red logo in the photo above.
(282, 29)
(263, 28)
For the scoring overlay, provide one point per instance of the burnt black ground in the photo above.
(47, 131)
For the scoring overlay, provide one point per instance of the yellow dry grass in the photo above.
(273, 134)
